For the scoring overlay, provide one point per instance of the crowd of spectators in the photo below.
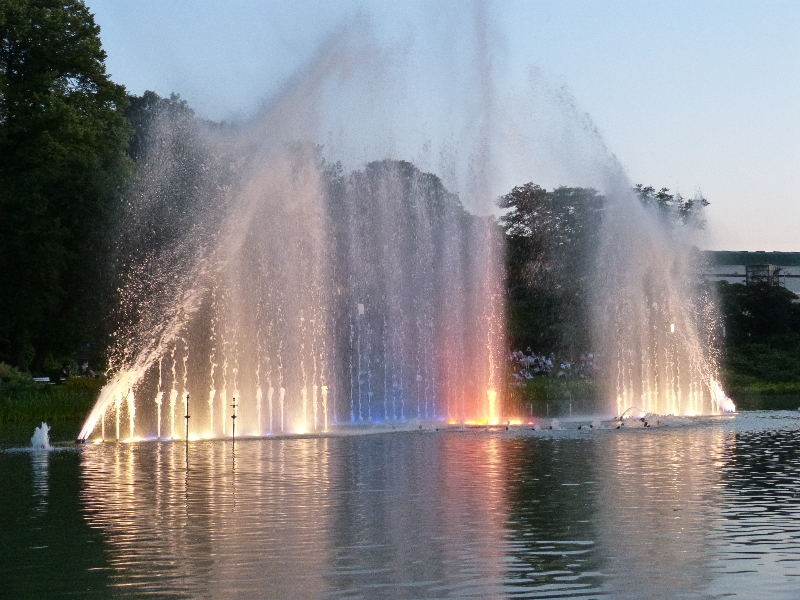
(527, 364)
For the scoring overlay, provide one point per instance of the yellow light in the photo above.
(493, 416)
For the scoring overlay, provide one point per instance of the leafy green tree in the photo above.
(673, 207)
(759, 313)
(149, 114)
(761, 351)
(63, 138)
(552, 242)
(552, 238)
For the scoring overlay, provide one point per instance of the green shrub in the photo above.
(87, 384)
(9, 374)
(43, 402)
(551, 396)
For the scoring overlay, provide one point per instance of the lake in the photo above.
(702, 508)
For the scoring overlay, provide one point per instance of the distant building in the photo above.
(775, 268)
(769, 274)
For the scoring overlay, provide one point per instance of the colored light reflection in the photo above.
(493, 415)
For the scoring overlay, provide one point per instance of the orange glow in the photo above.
(493, 416)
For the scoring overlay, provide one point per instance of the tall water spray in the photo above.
(259, 273)
(655, 324)
(332, 299)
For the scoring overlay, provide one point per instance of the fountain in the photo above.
(40, 439)
(256, 267)
(655, 328)
(654, 323)
(256, 270)
(360, 299)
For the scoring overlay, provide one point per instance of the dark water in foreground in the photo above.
(707, 510)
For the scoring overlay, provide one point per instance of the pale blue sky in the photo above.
(701, 95)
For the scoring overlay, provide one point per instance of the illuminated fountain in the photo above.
(655, 327)
(357, 299)
(258, 271)
(655, 324)
(310, 298)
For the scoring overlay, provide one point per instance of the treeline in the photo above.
(553, 239)
(63, 143)
(70, 139)
(761, 356)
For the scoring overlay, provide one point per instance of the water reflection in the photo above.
(212, 529)
(757, 535)
(552, 488)
(40, 463)
(655, 508)
(414, 515)
(46, 549)
(707, 510)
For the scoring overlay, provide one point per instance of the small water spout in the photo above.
(41, 439)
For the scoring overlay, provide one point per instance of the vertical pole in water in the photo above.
(547, 409)
(187, 431)
(570, 409)
(233, 429)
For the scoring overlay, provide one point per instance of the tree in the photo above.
(552, 238)
(150, 112)
(552, 242)
(761, 354)
(758, 313)
(673, 207)
(63, 137)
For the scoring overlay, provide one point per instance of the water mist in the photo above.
(300, 268)
(260, 272)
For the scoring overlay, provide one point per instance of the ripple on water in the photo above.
(708, 509)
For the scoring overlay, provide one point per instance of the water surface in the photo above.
(706, 510)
